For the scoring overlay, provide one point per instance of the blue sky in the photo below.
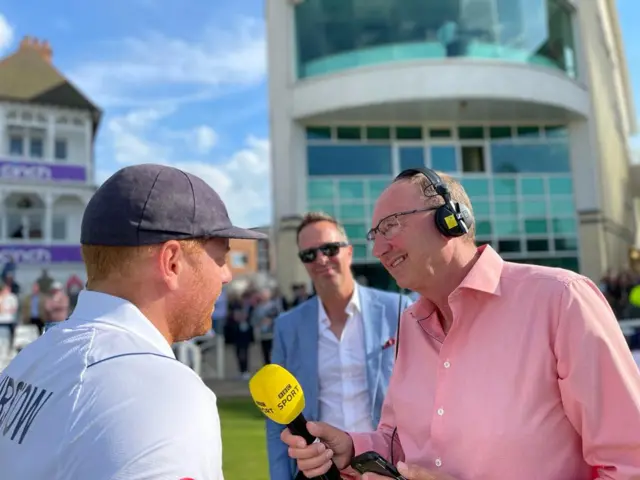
(183, 82)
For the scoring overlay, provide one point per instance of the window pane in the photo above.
(61, 149)
(536, 227)
(504, 187)
(472, 159)
(411, 157)
(483, 227)
(534, 208)
(556, 132)
(319, 133)
(348, 133)
(320, 189)
(36, 225)
(471, 133)
(507, 227)
(564, 225)
(506, 208)
(16, 146)
(476, 187)
(500, 132)
(352, 212)
(36, 148)
(359, 251)
(561, 186)
(356, 231)
(528, 132)
(533, 158)
(566, 244)
(349, 160)
(440, 133)
(538, 245)
(563, 207)
(409, 133)
(444, 159)
(481, 208)
(378, 133)
(326, 207)
(59, 227)
(376, 187)
(532, 186)
(509, 246)
(351, 189)
(15, 226)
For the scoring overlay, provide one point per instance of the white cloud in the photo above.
(6, 34)
(242, 180)
(205, 139)
(168, 69)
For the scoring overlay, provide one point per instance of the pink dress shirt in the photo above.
(534, 381)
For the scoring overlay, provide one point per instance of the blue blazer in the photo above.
(295, 347)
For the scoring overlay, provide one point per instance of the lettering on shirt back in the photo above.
(20, 404)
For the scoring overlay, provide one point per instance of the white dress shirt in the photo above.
(102, 397)
(344, 392)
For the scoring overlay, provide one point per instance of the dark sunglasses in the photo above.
(328, 249)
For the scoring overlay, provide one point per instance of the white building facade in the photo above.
(46, 173)
(527, 102)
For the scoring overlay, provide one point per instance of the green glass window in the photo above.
(471, 133)
(326, 207)
(440, 133)
(506, 208)
(319, 133)
(348, 133)
(561, 186)
(409, 133)
(481, 208)
(534, 208)
(356, 231)
(556, 131)
(528, 132)
(538, 157)
(563, 207)
(376, 187)
(320, 189)
(538, 245)
(504, 187)
(566, 244)
(476, 187)
(359, 251)
(352, 211)
(565, 226)
(483, 227)
(443, 159)
(411, 157)
(532, 186)
(500, 132)
(378, 133)
(507, 227)
(535, 226)
(509, 246)
(351, 189)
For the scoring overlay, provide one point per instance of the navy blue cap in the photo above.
(150, 204)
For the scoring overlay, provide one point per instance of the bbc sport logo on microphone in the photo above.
(287, 395)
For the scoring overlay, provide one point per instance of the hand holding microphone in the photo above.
(279, 396)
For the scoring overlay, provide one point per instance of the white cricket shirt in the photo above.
(102, 397)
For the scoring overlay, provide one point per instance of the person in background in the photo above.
(264, 314)
(8, 310)
(56, 306)
(504, 370)
(339, 344)
(32, 311)
(44, 281)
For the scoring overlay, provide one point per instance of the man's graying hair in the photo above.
(315, 217)
(431, 198)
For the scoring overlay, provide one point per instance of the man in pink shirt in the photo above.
(504, 370)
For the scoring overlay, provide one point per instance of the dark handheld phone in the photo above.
(373, 463)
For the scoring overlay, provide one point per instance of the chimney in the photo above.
(42, 47)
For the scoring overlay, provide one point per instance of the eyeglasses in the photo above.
(328, 249)
(389, 226)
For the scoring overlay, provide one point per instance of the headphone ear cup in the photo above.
(466, 215)
(447, 223)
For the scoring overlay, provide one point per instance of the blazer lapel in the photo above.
(374, 327)
(308, 342)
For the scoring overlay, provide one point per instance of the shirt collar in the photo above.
(103, 308)
(484, 277)
(352, 308)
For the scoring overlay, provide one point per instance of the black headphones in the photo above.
(452, 219)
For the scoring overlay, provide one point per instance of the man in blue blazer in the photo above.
(340, 344)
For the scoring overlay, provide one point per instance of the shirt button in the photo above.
(440, 411)
(438, 462)
(447, 364)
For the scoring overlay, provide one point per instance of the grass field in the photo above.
(244, 450)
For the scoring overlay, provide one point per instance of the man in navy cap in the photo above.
(102, 396)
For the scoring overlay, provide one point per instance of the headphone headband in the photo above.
(439, 186)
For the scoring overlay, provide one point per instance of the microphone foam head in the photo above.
(277, 393)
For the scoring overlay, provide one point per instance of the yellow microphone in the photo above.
(279, 396)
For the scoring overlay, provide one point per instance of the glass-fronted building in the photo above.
(506, 95)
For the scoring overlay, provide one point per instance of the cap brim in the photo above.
(237, 232)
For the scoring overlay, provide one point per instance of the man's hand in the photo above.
(411, 472)
(315, 459)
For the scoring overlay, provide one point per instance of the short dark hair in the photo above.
(315, 217)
